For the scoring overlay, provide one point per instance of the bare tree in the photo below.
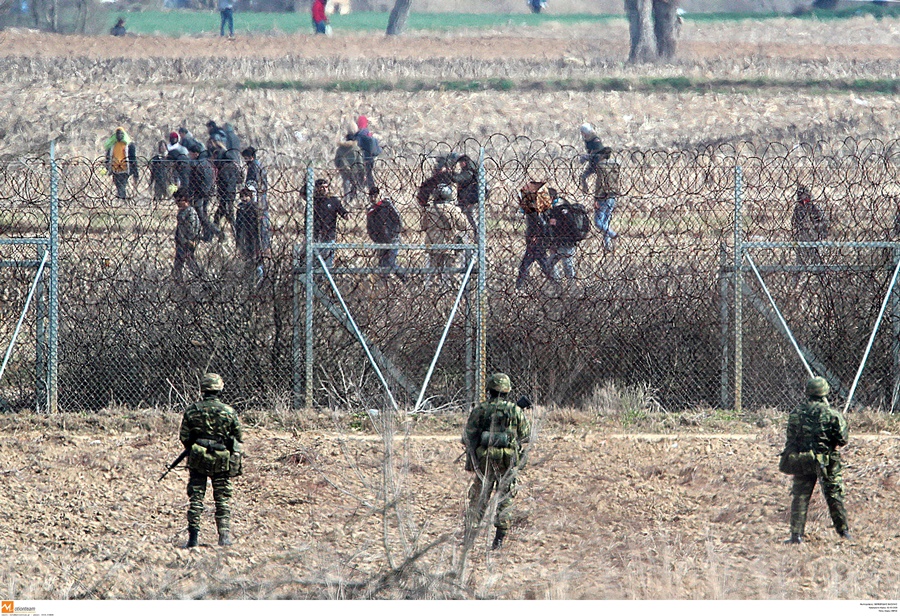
(399, 15)
(653, 29)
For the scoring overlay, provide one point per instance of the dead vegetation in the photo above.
(601, 514)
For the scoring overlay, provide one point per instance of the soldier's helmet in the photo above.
(817, 387)
(211, 382)
(499, 382)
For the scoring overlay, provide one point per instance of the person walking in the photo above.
(606, 182)
(202, 190)
(369, 146)
(808, 224)
(226, 11)
(567, 224)
(160, 167)
(247, 232)
(326, 210)
(319, 18)
(494, 437)
(535, 201)
(211, 432)
(348, 160)
(814, 433)
(441, 221)
(187, 233)
(384, 226)
(121, 161)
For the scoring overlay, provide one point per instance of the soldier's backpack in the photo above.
(209, 456)
(498, 442)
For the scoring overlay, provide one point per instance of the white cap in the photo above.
(586, 130)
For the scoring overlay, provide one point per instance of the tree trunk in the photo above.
(665, 21)
(640, 25)
(399, 15)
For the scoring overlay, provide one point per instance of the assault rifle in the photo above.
(181, 457)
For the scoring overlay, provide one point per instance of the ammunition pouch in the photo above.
(210, 457)
(800, 463)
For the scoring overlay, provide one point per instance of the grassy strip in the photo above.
(648, 84)
(185, 22)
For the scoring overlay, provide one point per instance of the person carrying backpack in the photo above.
(567, 224)
(383, 226)
(534, 200)
(606, 182)
(369, 146)
(814, 432)
(494, 437)
(348, 160)
(465, 176)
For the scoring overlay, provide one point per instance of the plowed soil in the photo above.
(599, 515)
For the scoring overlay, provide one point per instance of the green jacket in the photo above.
(815, 426)
(210, 419)
(496, 425)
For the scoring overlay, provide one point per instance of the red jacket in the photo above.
(318, 11)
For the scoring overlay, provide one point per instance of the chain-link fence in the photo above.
(655, 309)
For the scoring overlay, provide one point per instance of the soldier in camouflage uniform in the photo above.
(495, 434)
(814, 432)
(210, 430)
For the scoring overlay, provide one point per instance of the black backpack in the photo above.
(572, 222)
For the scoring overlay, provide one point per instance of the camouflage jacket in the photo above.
(187, 229)
(496, 417)
(211, 419)
(815, 426)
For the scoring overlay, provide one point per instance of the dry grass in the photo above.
(80, 88)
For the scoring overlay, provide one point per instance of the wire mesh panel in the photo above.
(830, 295)
(24, 244)
(645, 299)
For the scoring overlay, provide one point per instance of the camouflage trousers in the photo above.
(222, 491)
(833, 487)
(491, 476)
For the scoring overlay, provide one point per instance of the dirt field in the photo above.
(600, 514)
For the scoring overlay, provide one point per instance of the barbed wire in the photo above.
(657, 309)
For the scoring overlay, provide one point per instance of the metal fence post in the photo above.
(895, 341)
(310, 180)
(53, 350)
(481, 291)
(40, 334)
(296, 381)
(724, 377)
(738, 288)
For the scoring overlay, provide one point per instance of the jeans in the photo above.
(563, 253)
(536, 252)
(227, 18)
(319, 26)
(603, 209)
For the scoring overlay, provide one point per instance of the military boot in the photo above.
(193, 538)
(225, 537)
(498, 539)
(795, 538)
